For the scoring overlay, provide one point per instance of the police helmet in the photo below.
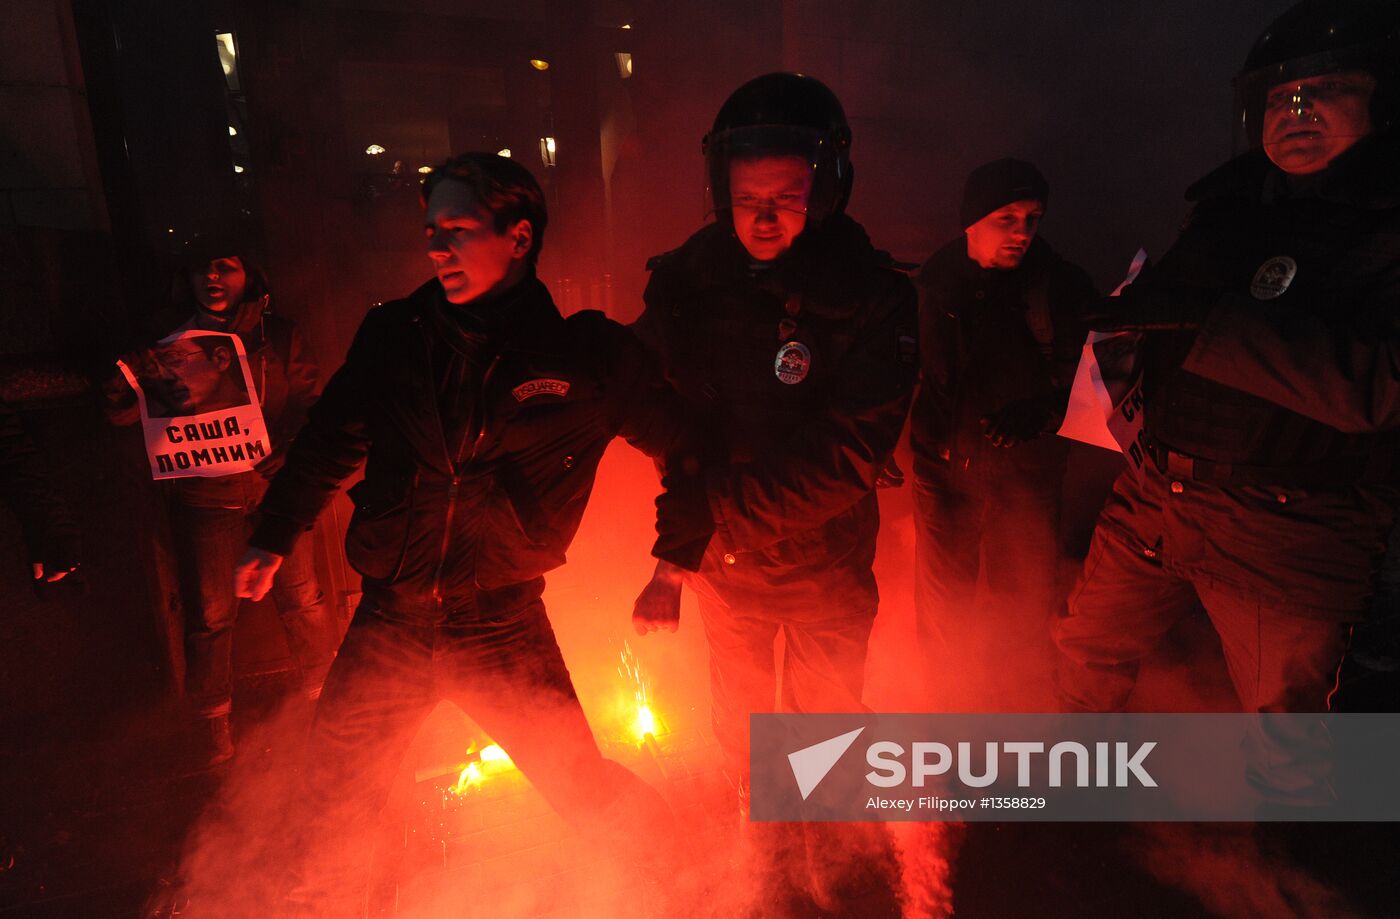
(1317, 37)
(782, 114)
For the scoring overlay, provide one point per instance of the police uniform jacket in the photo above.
(461, 510)
(1273, 429)
(1294, 378)
(805, 369)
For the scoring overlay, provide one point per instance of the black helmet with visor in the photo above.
(782, 114)
(1314, 38)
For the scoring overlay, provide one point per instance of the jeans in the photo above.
(1001, 530)
(208, 543)
(507, 673)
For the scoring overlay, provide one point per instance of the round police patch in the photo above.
(793, 363)
(1273, 278)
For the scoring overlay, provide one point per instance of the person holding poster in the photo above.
(1001, 326)
(1271, 398)
(219, 399)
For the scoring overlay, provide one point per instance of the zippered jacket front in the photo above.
(464, 502)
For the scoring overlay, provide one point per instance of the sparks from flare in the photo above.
(644, 721)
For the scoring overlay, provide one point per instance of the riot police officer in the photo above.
(1272, 386)
(795, 338)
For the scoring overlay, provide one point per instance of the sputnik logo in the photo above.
(811, 764)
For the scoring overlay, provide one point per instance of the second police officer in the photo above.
(783, 326)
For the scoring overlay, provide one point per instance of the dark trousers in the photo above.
(817, 589)
(1161, 546)
(825, 616)
(506, 672)
(973, 526)
(823, 669)
(208, 543)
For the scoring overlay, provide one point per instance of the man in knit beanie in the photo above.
(1001, 329)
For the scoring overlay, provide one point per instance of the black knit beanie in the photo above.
(994, 185)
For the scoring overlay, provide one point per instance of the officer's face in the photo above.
(220, 284)
(1000, 239)
(1308, 122)
(469, 257)
(769, 197)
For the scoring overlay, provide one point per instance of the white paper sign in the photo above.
(1105, 402)
(199, 406)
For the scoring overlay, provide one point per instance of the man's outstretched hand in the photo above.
(252, 577)
(659, 605)
(51, 574)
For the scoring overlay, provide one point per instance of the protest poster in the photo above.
(1105, 400)
(199, 406)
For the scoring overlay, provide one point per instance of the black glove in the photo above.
(1020, 421)
(60, 560)
(57, 548)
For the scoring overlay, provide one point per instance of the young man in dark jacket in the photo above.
(1001, 319)
(785, 327)
(1272, 394)
(481, 415)
(218, 288)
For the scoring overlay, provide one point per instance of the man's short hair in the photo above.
(502, 186)
(210, 344)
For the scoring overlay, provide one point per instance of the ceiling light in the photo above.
(374, 150)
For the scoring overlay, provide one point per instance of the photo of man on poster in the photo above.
(194, 373)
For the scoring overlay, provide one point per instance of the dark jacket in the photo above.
(1302, 388)
(990, 337)
(798, 481)
(287, 380)
(50, 533)
(444, 526)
